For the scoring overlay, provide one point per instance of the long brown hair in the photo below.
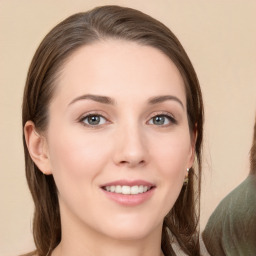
(86, 28)
(253, 152)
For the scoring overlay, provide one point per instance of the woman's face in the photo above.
(118, 141)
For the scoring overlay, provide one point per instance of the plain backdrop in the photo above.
(220, 38)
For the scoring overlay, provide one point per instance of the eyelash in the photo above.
(170, 118)
(95, 114)
(167, 115)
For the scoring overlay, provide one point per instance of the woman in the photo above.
(113, 122)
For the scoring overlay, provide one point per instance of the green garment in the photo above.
(231, 229)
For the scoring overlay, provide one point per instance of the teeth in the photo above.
(127, 190)
(118, 189)
(134, 190)
(141, 189)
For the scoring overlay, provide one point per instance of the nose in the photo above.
(131, 147)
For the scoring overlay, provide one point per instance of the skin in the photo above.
(127, 144)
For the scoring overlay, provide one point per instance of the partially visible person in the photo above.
(231, 229)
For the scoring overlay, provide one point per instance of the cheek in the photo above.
(173, 155)
(76, 154)
(77, 160)
(170, 156)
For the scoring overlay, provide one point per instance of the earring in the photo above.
(45, 173)
(186, 177)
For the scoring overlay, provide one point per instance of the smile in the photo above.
(127, 190)
(129, 193)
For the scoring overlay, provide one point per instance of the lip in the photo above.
(129, 200)
(128, 183)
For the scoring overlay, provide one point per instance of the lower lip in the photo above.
(129, 200)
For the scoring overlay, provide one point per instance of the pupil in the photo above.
(159, 120)
(94, 120)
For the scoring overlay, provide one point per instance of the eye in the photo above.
(93, 120)
(162, 120)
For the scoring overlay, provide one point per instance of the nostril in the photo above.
(132, 163)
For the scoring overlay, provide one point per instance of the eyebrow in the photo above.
(110, 101)
(97, 98)
(160, 99)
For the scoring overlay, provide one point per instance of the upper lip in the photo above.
(128, 183)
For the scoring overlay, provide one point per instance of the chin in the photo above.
(133, 230)
(129, 235)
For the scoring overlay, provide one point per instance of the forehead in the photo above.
(114, 66)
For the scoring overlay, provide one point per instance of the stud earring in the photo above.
(186, 177)
(45, 173)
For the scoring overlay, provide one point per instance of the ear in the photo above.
(37, 147)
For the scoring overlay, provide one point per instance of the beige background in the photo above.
(220, 39)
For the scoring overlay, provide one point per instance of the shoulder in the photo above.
(237, 200)
(234, 215)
